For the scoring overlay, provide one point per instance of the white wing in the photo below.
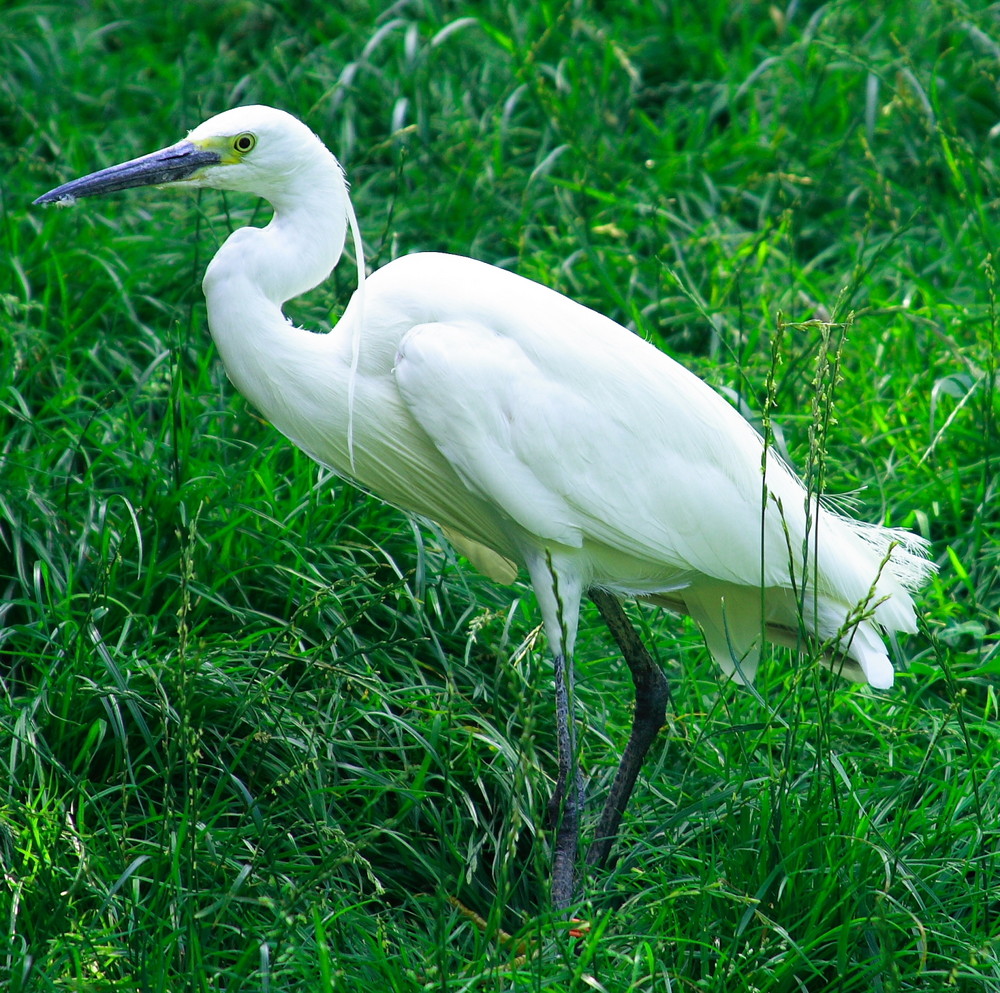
(584, 435)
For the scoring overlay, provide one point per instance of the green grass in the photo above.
(257, 728)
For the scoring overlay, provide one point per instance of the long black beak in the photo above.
(168, 165)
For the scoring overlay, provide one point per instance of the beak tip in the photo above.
(58, 200)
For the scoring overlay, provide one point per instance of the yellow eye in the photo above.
(244, 143)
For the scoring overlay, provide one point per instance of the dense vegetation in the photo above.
(257, 729)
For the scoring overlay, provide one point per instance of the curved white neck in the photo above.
(301, 245)
(258, 269)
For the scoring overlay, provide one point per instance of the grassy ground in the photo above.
(258, 729)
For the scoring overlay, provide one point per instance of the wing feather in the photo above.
(628, 451)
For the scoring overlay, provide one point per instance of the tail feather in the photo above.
(733, 620)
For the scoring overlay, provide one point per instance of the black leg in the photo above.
(564, 807)
(651, 696)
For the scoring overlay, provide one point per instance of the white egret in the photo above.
(536, 433)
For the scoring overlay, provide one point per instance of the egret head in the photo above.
(258, 150)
